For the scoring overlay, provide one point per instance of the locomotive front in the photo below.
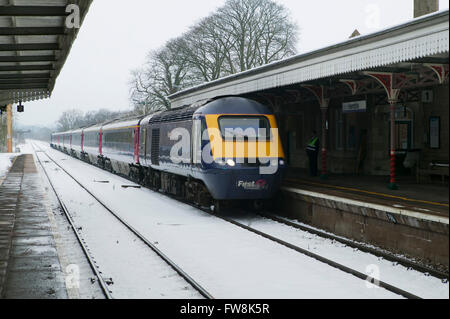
(241, 152)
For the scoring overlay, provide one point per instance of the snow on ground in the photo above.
(5, 163)
(227, 261)
(137, 272)
(397, 275)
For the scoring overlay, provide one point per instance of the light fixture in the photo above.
(20, 107)
(231, 163)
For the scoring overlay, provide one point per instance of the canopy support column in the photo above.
(387, 81)
(320, 93)
(9, 128)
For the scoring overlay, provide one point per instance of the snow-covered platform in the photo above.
(29, 262)
(413, 221)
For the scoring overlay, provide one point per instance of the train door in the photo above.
(143, 141)
(136, 144)
(82, 141)
(100, 143)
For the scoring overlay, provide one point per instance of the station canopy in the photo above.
(35, 41)
(407, 48)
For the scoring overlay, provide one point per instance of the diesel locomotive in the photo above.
(211, 153)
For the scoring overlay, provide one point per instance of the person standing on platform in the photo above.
(313, 153)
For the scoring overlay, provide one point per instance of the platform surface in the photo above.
(29, 262)
(422, 198)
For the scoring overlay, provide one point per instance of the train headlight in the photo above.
(282, 163)
(231, 163)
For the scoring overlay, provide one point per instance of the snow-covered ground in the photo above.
(5, 163)
(229, 262)
(136, 271)
(397, 275)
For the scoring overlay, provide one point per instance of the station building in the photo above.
(380, 105)
(350, 92)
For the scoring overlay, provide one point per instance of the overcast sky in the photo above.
(116, 37)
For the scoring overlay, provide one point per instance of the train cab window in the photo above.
(239, 127)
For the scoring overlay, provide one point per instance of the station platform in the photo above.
(423, 198)
(412, 221)
(29, 262)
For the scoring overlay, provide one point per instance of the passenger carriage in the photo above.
(205, 153)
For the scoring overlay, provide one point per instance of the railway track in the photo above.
(103, 281)
(322, 259)
(327, 261)
(364, 248)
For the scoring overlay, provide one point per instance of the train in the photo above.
(210, 153)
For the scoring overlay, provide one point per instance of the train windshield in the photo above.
(244, 127)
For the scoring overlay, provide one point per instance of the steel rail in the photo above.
(329, 262)
(92, 264)
(172, 264)
(388, 256)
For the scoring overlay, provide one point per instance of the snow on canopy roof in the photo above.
(418, 38)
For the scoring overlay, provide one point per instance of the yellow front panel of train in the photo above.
(243, 148)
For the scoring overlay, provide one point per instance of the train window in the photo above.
(240, 127)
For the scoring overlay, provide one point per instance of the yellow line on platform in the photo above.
(371, 193)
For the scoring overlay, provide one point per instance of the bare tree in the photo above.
(70, 120)
(241, 35)
(75, 119)
(207, 47)
(166, 72)
(100, 116)
(262, 32)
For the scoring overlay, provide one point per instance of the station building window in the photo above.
(345, 130)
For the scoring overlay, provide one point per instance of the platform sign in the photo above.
(354, 107)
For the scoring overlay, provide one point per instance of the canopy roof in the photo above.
(34, 44)
(417, 42)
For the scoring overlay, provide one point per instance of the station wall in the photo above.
(359, 142)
